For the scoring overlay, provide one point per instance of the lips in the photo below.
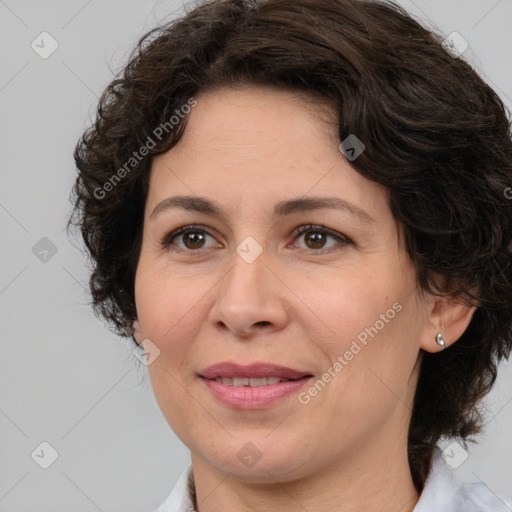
(231, 370)
(252, 387)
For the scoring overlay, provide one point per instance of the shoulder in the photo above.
(180, 499)
(443, 492)
(477, 497)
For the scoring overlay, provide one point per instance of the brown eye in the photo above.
(186, 238)
(316, 238)
(193, 240)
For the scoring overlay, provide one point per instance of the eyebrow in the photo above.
(281, 209)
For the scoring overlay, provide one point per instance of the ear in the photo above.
(448, 316)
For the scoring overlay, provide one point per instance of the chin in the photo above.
(256, 463)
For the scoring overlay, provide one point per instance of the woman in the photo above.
(298, 211)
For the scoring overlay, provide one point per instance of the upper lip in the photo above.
(257, 370)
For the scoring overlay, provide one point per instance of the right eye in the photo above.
(192, 237)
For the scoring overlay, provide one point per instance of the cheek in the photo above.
(167, 309)
(366, 348)
(171, 313)
(347, 304)
(165, 296)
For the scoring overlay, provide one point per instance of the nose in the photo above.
(250, 299)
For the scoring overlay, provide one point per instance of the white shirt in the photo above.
(442, 493)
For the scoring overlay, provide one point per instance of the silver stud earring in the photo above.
(440, 340)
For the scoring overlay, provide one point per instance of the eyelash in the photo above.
(194, 228)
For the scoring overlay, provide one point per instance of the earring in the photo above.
(440, 340)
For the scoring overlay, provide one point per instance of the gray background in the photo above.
(64, 378)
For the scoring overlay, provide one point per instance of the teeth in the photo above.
(252, 382)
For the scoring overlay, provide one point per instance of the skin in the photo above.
(298, 304)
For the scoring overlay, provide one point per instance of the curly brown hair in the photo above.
(437, 136)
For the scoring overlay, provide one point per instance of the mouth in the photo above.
(252, 375)
(252, 382)
(254, 386)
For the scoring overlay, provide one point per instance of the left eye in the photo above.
(316, 237)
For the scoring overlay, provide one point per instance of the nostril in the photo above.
(263, 323)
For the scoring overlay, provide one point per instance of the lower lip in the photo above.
(254, 398)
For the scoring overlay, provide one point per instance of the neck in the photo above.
(373, 482)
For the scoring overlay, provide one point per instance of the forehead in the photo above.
(263, 119)
(261, 145)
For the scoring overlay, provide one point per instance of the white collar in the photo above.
(442, 492)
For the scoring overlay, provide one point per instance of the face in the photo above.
(260, 277)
